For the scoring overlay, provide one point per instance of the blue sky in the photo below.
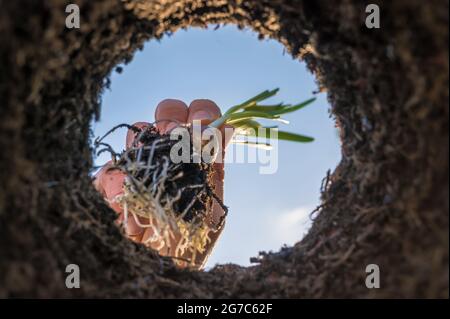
(229, 66)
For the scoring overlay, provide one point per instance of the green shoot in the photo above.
(243, 118)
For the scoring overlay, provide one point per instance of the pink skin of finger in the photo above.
(169, 114)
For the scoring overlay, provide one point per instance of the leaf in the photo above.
(253, 101)
(287, 136)
(241, 116)
(237, 117)
(267, 108)
(268, 117)
(282, 135)
(283, 109)
(246, 124)
(264, 146)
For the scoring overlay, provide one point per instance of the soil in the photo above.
(386, 203)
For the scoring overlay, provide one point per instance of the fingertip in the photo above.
(113, 183)
(170, 112)
(203, 110)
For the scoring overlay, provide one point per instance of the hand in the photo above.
(169, 114)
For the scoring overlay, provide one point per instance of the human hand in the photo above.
(169, 114)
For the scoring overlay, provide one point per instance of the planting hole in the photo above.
(229, 66)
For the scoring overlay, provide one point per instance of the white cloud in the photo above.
(290, 226)
(269, 233)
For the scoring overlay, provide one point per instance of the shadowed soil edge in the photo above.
(386, 203)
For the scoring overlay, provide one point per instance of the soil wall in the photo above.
(387, 203)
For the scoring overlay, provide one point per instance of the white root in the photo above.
(139, 200)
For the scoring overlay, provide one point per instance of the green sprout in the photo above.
(243, 118)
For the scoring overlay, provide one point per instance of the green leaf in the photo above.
(253, 101)
(280, 109)
(282, 135)
(287, 136)
(248, 123)
(245, 121)
(267, 108)
(238, 117)
(264, 146)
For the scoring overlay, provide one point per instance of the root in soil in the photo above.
(175, 199)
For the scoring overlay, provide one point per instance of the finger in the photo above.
(98, 184)
(157, 245)
(169, 114)
(147, 234)
(133, 228)
(133, 236)
(112, 183)
(205, 111)
(109, 182)
(218, 177)
(131, 135)
(168, 249)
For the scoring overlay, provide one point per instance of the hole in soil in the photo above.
(229, 66)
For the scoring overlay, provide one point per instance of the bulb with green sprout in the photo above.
(175, 199)
(245, 118)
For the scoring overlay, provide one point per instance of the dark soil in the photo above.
(387, 202)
